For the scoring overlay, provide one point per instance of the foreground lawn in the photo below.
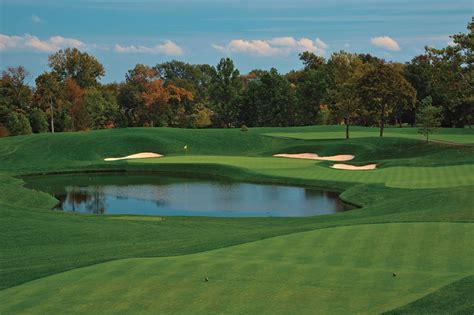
(324, 271)
(416, 220)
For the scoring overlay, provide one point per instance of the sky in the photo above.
(256, 34)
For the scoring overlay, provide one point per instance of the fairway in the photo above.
(453, 136)
(325, 271)
(415, 220)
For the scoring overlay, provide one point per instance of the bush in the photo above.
(39, 121)
(18, 124)
(324, 115)
(429, 118)
(3, 131)
(24, 127)
(201, 117)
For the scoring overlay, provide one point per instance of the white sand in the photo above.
(143, 155)
(313, 156)
(354, 168)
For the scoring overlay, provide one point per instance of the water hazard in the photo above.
(161, 195)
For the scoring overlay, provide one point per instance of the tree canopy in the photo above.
(71, 63)
(347, 88)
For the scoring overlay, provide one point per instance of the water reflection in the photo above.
(160, 195)
(83, 199)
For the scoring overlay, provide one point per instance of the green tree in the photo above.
(384, 88)
(18, 124)
(419, 73)
(48, 94)
(271, 100)
(102, 112)
(130, 93)
(369, 59)
(4, 113)
(194, 78)
(71, 63)
(12, 123)
(447, 76)
(38, 121)
(311, 60)
(14, 89)
(429, 118)
(225, 88)
(402, 110)
(311, 90)
(201, 117)
(110, 92)
(346, 71)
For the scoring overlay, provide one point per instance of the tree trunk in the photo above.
(413, 124)
(52, 117)
(346, 121)
(382, 121)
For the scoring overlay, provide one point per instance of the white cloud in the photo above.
(283, 41)
(317, 46)
(167, 48)
(274, 46)
(102, 47)
(36, 19)
(259, 47)
(32, 43)
(60, 41)
(385, 42)
(321, 44)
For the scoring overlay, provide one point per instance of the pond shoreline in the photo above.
(154, 193)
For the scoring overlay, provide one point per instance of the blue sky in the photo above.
(256, 34)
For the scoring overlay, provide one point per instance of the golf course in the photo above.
(407, 247)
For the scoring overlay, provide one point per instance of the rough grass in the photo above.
(454, 298)
(416, 182)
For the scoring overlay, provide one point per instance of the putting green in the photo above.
(399, 177)
(326, 271)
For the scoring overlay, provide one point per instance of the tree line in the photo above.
(347, 88)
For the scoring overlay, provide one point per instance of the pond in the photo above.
(157, 194)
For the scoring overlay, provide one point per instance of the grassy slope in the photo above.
(38, 242)
(324, 271)
(454, 298)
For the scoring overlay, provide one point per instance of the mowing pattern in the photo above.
(326, 271)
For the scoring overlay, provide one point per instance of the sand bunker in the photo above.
(143, 155)
(354, 168)
(313, 156)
